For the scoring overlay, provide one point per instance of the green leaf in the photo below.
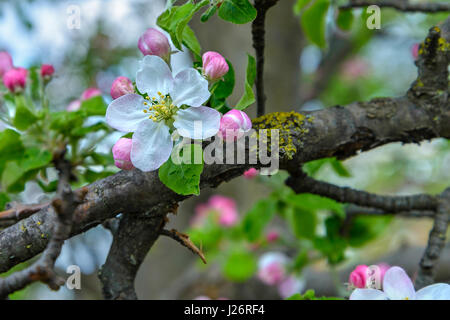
(303, 222)
(183, 178)
(4, 199)
(94, 106)
(313, 167)
(339, 168)
(23, 118)
(345, 19)
(175, 19)
(208, 13)
(17, 173)
(11, 147)
(307, 201)
(80, 132)
(239, 266)
(257, 218)
(311, 295)
(333, 245)
(237, 11)
(365, 228)
(35, 158)
(299, 5)
(191, 41)
(248, 97)
(64, 122)
(313, 21)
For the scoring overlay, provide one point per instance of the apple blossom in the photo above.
(415, 50)
(398, 286)
(251, 173)
(47, 70)
(121, 153)
(234, 124)
(74, 105)
(214, 65)
(90, 93)
(272, 236)
(6, 62)
(170, 103)
(15, 79)
(121, 86)
(272, 268)
(290, 286)
(155, 43)
(228, 214)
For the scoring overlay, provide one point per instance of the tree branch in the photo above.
(132, 240)
(258, 33)
(436, 242)
(64, 206)
(400, 5)
(301, 183)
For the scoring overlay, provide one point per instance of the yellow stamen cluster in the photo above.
(161, 108)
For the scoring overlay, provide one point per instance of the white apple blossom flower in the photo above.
(398, 286)
(170, 103)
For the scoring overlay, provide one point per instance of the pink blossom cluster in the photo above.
(273, 271)
(223, 208)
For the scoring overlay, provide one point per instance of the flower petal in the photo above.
(126, 112)
(397, 285)
(437, 291)
(197, 123)
(189, 88)
(368, 294)
(154, 76)
(152, 145)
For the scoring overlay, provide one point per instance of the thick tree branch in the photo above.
(436, 242)
(258, 33)
(135, 235)
(400, 5)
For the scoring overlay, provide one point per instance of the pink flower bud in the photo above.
(233, 124)
(272, 268)
(15, 79)
(358, 277)
(121, 153)
(251, 173)
(121, 86)
(6, 62)
(74, 105)
(90, 93)
(214, 65)
(47, 71)
(272, 236)
(228, 214)
(154, 43)
(415, 50)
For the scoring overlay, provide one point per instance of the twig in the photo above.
(258, 33)
(301, 183)
(21, 211)
(64, 207)
(400, 5)
(436, 242)
(185, 241)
